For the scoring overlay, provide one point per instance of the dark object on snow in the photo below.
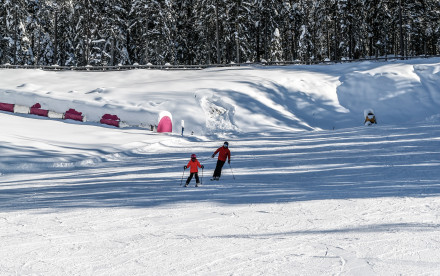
(370, 118)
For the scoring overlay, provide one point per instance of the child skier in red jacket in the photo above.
(194, 166)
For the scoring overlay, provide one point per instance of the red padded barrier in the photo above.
(36, 110)
(109, 119)
(72, 114)
(7, 107)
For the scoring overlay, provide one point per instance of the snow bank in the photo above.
(240, 99)
(83, 199)
(400, 93)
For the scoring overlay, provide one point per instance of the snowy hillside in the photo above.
(310, 190)
(239, 99)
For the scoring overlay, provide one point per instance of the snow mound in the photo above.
(394, 90)
(219, 115)
(242, 99)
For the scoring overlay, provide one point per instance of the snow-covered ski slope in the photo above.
(241, 99)
(315, 192)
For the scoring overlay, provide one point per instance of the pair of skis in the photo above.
(186, 185)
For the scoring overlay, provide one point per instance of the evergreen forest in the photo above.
(189, 32)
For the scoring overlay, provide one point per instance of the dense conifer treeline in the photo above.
(110, 32)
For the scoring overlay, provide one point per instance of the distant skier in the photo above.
(223, 154)
(194, 166)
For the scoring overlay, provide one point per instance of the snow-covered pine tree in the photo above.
(156, 24)
(268, 18)
(185, 35)
(165, 33)
(421, 20)
(244, 21)
(350, 27)
(322, 31)
(143, 13)
(287, 30)
(207, 49)
(64, 53)
(7, 42)
(98, 32)
(377, 22)
(118, 29)
(230, 38)
(82, 21)
(276, 51)
(15, 38)
(3, 33)
(431, 28)
(304, 39)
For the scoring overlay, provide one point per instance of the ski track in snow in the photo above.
(85, 199)
(310, 203)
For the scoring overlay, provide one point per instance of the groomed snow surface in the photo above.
(310, 190)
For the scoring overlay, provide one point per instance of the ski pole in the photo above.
(202, 177)
(182, 177)
(206, 159)
(231, 171)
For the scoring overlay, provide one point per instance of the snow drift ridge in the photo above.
(241, 99)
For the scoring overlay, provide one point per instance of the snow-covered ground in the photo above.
(310, 190)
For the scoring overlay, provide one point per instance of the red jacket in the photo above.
(223, 153)
(194, 166)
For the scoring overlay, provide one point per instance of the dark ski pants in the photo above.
(196, 175)
(218, 168)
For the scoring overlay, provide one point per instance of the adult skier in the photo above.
(223, 154)
(194, 166)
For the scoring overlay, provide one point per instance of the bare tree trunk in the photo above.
(217, 29)
(16, 36)
(112, 58)
(237, 37)
(55, 44)
(402, 48)
(147, 41)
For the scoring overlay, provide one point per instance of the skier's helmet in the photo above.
(226, 144)
(193, 156)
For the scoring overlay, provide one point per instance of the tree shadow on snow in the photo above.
(272, 168)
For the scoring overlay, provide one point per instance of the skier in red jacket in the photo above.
(194, 166)
(223, 154)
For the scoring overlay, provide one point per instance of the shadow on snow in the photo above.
(274, 168)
